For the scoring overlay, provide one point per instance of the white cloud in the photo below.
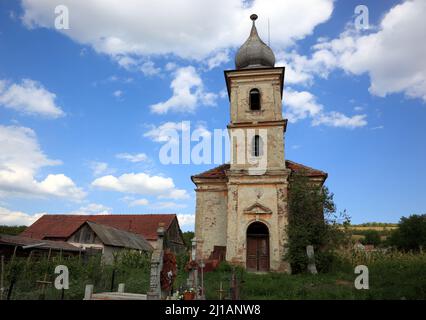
(170, 66)
(166, 131)
(92, 208)
(100, 168)
(176, 194)
(189, 29)
(218, 59)
(299, 105)
(139, 202)
(392, 54)
(139, 157)
(17, 218)
(336, 119)
(137, 183)
(168, 205)
(188, 93)
(20, 160)
(301, 70)
(144, 184)
(118, 94)
(170, 131)
(186, 219)
(148, 68)
(29, 97)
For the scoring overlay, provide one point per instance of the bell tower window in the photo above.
(254, 99)
(257, 146)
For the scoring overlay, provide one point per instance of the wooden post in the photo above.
(2, 278)
(112, 280)
(221, 291)
(45, 282)
(14, 254)
(9, 291)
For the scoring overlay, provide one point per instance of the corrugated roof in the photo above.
(118, 238)
(46, 244)
(220, 171)
(63, 226)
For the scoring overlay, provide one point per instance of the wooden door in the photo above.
(257, 253)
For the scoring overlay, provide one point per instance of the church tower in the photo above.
(241, 207)
(257, 178)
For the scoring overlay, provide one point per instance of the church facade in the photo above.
(241, 207)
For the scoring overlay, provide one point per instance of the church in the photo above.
(241, 207)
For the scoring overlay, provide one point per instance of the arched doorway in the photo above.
(257, 247)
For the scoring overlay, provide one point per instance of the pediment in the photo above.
(257, 208)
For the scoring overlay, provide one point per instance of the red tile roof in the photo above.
(219, 172)
(62, 226)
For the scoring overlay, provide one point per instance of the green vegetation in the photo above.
(377, 224)
(312, 221)
(393, 275)
(130, 268)
(187, 237)
(12, 230)
(371, 237)
(411, 233)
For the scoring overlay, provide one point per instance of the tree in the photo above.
(187, 237)
(312, 221)
(12, 230)
(372, 237)
(411, 233)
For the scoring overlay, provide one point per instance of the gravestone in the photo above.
(311, 259)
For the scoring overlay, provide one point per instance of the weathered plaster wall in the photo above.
(211, 218)
(243, 194)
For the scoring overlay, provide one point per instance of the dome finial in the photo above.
(254, 53)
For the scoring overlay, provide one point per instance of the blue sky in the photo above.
(83, 110)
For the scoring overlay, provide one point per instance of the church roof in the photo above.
(220, 171)
(254, 53)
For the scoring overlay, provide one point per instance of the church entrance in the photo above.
(257, 247)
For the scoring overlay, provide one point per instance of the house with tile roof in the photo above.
(114, 230)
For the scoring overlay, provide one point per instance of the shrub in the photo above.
(411, 233)
(312, 221)
(372, 237)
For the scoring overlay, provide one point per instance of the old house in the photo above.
(241, 207)
(63, 227)
(107, 240)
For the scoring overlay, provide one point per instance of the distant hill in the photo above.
(376, 224)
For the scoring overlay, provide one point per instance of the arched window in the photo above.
(254, 99)
(257, 146)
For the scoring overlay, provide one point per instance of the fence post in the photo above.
(2, 278)
(112, 280)
(121, 288)
(88, 292)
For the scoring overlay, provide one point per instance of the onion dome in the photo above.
(254, 53)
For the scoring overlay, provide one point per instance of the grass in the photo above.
(392, 276)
